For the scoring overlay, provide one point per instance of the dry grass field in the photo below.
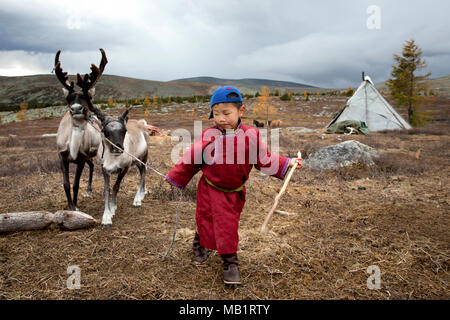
(394, 215)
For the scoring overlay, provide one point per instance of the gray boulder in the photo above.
(340, 155)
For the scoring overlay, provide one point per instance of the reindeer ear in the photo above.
(124, 116)
(65, 92)
(91, 92)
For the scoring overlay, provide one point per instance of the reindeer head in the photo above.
(114, 130)
(78, 101)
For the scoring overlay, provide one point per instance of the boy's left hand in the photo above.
(296, 160)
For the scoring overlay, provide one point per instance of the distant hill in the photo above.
(249, 83)
(40, 89)
(45, 89)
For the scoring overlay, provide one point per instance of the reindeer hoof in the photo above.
(108, 225)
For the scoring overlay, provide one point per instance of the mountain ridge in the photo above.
(245, 82)
(46, 89)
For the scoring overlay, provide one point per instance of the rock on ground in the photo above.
(341, 155)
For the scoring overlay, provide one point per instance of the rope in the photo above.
(124, 151)
(176, 227)
(157, 172)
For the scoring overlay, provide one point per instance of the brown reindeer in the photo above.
(77, 142)
(275, 123)
(121, 138)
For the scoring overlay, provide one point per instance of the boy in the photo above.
(226, 154)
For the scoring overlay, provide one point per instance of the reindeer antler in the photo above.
(91, 79)
(62, 76)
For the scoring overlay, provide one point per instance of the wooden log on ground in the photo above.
(73, 220)
(37, 220)
(25, 221)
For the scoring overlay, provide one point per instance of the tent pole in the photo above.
(367, 108)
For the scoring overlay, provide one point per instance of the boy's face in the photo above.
(226, 115)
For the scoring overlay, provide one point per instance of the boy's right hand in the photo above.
(299, 162)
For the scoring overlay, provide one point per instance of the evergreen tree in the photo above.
(407, 88)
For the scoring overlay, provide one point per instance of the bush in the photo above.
(285, 97)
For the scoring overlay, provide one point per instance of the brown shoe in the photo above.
(200, 253)
(231, 274)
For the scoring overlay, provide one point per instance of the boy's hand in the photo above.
(296, 160)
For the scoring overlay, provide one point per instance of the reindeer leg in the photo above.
(107, 217)
(66, 181)
(113, 203)
(140, 194)
(88, 193)
(76, 182)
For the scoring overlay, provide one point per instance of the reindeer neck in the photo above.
(80, 124)
(77, 137)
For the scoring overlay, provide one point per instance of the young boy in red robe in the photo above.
(225, 154)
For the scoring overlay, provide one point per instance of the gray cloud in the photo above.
(325, 44)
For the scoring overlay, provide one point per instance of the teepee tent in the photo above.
(369, 106)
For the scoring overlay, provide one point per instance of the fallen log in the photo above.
(73, 220)
(37, 220)
(25, 221)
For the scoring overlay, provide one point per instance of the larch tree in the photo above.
(22, 114)
(406, 87)
(263, 108)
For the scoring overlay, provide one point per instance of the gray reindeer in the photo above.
(124, 141)
(77, 142)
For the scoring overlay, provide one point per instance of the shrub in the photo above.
(285, 97)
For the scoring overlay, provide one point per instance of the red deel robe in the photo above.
(226, 160)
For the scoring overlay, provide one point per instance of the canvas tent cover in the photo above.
(369, 106)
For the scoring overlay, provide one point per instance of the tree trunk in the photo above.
(37, 220)
(411, 91)
(24, 221)
(73, 220)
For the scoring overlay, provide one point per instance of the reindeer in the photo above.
(77, 142)
(121, 138)
(275, 123)
(258, 124)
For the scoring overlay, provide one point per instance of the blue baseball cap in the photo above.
(222, 95)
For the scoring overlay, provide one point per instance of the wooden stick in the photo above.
(277, 198)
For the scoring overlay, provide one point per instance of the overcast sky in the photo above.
(323, 43)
